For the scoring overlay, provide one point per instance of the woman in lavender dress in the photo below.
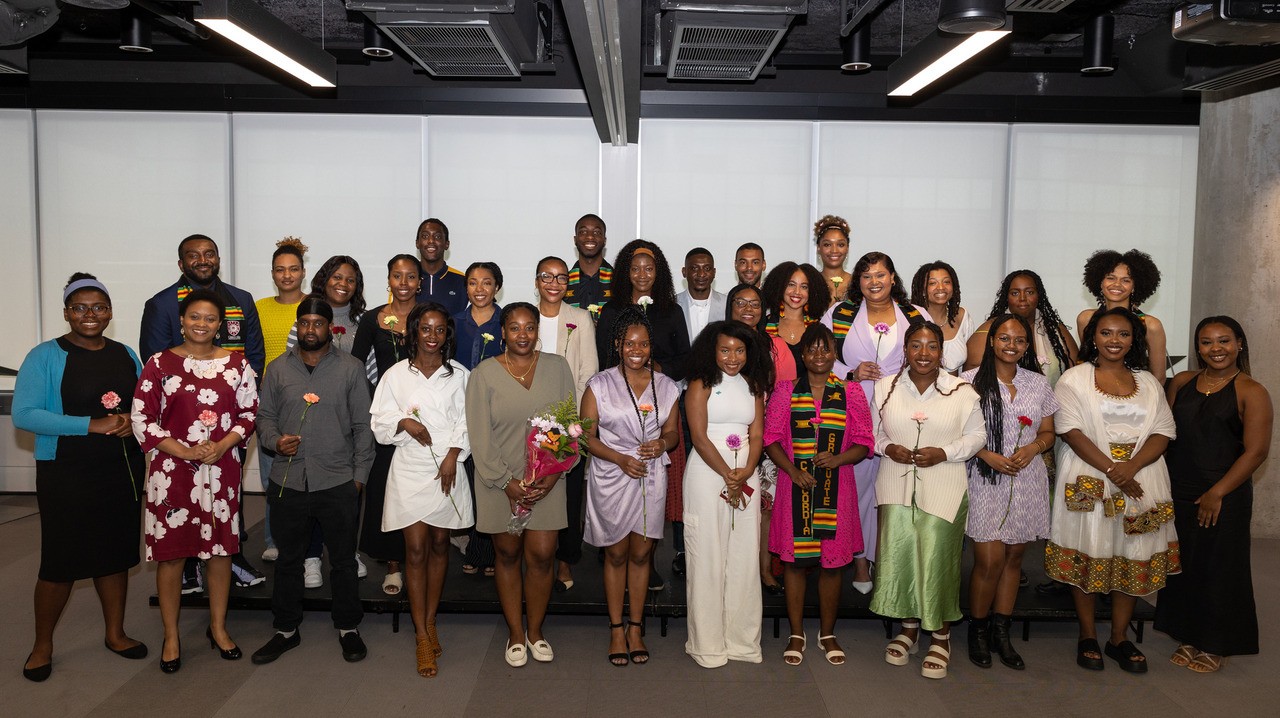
(1008, 498)
(868, 326)
(636, 421)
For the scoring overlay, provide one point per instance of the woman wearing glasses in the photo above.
(72, 392)
(569, 332)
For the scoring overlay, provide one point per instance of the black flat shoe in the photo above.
(38, 674)
(231, 654)
(1131, 660)
(133, 653)
(1089, 645)
(170, 666)
(774, 589)
(276, 647)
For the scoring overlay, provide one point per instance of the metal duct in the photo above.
(21, 20)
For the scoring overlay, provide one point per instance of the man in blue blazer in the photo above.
(240, 331)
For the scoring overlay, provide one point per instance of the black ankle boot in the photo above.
(1000, 641)
(980, 641)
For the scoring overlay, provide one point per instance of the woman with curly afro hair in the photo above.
(1127, 280)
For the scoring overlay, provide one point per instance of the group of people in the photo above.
(848, 419)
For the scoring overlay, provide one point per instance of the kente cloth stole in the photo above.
(232, 330)
(813, 512)
(842, 321)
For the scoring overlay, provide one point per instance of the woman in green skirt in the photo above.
(928, 423)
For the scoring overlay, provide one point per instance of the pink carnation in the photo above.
(575, 430)
(110, 400)
(208, 418)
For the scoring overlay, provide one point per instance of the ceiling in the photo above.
(1033, 76)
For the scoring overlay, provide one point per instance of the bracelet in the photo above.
(503, 488)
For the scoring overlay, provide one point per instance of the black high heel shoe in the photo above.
(170, 666)
(232, 654)
(640, 657)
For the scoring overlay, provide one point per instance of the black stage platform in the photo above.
(478, 594)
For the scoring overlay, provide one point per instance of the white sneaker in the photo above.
(361, 570)
(311, 577)
(271, 553)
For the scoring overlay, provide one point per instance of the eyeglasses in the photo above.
(746, 303)
(82, 309)
(548, 278)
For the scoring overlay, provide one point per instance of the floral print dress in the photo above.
(193, 509)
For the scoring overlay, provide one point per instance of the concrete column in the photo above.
(1237, 249)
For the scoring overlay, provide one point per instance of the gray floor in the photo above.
(313, 680)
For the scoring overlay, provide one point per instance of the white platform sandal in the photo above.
(939, 655)
(901, 648)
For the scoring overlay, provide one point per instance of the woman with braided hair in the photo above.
(928, 424)
(636, 421)
(831, 234)
(1022, 293)
(1008, 504)
(868, 327)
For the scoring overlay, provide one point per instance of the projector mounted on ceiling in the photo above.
(1228, 22)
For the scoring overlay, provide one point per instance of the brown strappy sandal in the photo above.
(426, 658)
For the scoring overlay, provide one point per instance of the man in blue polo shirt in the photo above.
(440, 282)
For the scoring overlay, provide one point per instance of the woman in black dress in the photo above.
(72, 392)
(1224, 433)
(380, 344)
(642, 276)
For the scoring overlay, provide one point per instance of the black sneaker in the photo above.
(276, 647)
(656, 581)
(353, 648)
(244, 573)
(677, 564)
(192, 577)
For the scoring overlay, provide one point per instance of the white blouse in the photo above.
(953, 422)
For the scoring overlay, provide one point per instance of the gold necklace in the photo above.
(521, 377)
(1214, 385)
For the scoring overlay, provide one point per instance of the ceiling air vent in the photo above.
(1044, 6)
(13, 61)
(1239, 78)
(462, 38)
(454, 47)
(722, 46)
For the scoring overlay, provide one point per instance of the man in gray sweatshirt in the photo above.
(314, 411)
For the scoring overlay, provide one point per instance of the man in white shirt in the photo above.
(700, 303)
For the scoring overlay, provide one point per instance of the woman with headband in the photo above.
(72, 393)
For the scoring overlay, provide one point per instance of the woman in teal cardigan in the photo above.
(74, 394)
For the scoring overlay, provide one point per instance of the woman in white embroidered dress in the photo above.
(1113, 511)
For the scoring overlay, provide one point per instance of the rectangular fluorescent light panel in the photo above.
(976, 43)
(252, 43)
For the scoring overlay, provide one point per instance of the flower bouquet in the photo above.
(551, 448)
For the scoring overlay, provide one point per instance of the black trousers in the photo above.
(569, 548)
(292, 516)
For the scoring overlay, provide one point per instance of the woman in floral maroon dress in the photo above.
(194, 405)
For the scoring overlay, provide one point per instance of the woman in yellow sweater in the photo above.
(277, 315)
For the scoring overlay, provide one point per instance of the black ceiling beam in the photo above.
(605, 38)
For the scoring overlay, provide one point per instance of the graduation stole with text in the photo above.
(231, 333)
(845, 311)
(814, 429)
